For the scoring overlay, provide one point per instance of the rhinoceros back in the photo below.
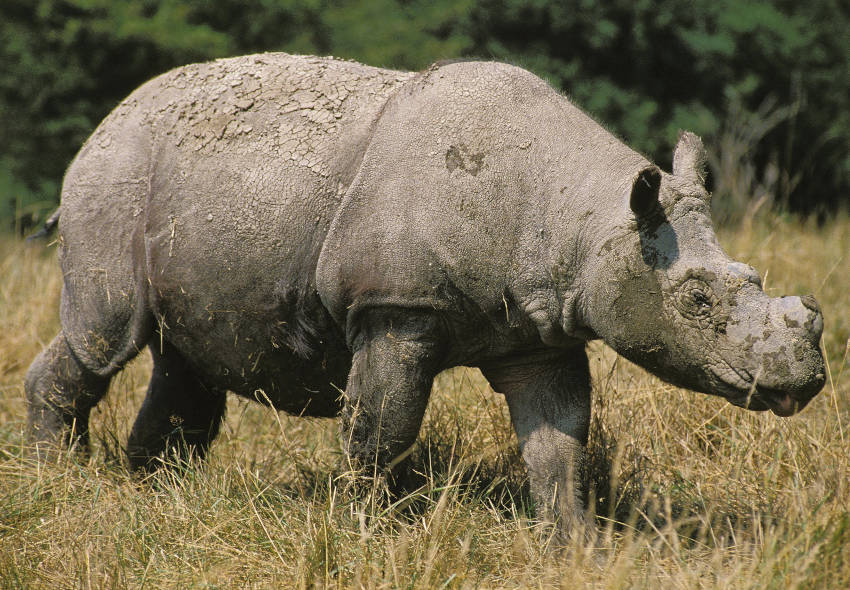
(200, 204)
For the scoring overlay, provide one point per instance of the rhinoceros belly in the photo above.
(232, 285)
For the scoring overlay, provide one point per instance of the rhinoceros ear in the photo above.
(689, 158)
(645, 190)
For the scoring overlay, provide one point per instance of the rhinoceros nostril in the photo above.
(815, 327)
(810, 303)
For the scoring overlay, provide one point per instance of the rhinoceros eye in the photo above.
(696, 299)
(700, 300)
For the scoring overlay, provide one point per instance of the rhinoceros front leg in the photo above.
(549, 401)
(394, 364)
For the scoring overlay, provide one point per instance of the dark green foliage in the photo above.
(66, 64)
(766, 82)
(652, 68)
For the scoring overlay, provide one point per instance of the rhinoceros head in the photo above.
(667, 297)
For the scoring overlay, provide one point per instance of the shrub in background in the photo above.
(766, 82)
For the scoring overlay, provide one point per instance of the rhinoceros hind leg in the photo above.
(179, 418)
(60, 393)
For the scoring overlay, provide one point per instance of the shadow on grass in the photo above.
(631, 494)
(624, 492)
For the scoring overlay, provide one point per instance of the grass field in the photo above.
(689, 492)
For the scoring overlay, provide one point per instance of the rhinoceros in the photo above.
(287, 227)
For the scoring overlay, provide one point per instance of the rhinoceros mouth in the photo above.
(777, 402)
(744, 391)
(780, 403)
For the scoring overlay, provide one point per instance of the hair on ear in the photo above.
(645, 190)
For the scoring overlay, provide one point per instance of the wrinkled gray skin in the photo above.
(280, 226)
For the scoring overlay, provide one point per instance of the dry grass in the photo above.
(689, 492)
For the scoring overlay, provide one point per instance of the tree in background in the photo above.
(65, 65)
(766, 82)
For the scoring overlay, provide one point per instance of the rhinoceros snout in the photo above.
(745, 272)
(782, 367)
(803, 319)
(803, 316)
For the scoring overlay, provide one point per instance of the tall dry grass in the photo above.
(688, 491)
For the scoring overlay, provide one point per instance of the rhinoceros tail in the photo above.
(46, 229)
(302, 320)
